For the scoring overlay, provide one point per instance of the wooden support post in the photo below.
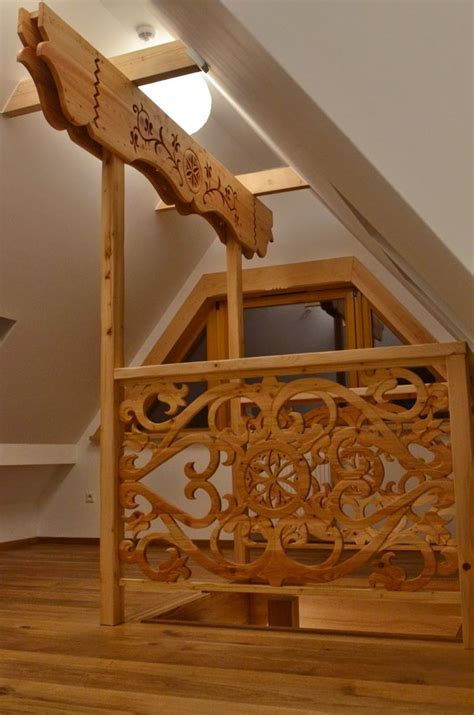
(462, 434)
(283, 612)
(112, 312)
(235, 315)
(235, 308)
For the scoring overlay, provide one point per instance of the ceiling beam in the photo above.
(263, 183)
(141, 67)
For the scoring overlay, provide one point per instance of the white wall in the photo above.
(23, 491)
(64, 512)
(396, 77)
(304, 231)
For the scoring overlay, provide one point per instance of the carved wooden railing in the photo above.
(354, 479)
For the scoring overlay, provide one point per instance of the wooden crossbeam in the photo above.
(263, 183)
(151, 64)
(298, 364)
(82, 92)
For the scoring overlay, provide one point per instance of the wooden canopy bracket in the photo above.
(82, 92)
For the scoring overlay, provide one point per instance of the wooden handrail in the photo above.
(361, 359)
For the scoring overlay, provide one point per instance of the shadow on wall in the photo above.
(24, 491)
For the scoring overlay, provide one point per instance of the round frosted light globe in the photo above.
(185, 99)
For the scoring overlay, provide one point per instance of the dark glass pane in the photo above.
(296, 328)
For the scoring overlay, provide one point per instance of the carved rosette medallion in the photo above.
(274, 479)
(192, 170)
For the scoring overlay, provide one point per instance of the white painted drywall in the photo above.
(396, 77)
(22, 492)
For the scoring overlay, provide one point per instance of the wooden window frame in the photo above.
(367, 293)
(310, 276)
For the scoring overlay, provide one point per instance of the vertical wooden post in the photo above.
(462, 434)
(235, 315)
(235, 309)
(112, 315)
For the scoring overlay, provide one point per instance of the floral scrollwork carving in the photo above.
(361, 481)
(227, 195)
(142, 136)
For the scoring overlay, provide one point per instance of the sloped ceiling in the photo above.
(371, 103)
(49, 244)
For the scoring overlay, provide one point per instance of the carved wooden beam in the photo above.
(151, 64)
(82, 92)
(264, 183)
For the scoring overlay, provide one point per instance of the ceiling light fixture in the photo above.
(187, 99)
(146, 32)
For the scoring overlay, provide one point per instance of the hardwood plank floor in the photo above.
(55, 658)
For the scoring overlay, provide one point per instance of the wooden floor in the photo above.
(54, 658)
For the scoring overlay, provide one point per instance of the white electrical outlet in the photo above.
(89, 497)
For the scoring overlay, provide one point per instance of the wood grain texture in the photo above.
(111, 357)
(341, 613)
(283, 611)
(354, 588)
(283, 279)
(235, 340)
(299, 479)
(461, 411)
(150, 64)
(263, 183)
(363, 359)
(192, 315)
(54, 658)
(83, 92)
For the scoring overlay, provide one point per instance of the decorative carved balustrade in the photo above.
(326, 480)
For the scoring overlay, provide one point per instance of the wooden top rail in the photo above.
(363, 359)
